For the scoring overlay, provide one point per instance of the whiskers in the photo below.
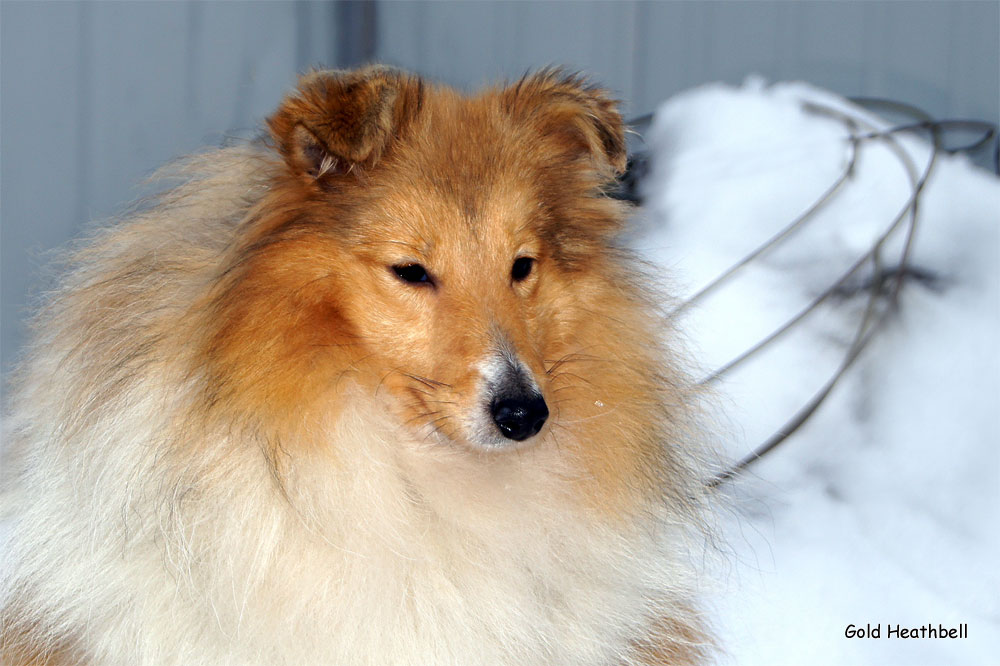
(427, 410)
(426, 381)
(568, 376)
(557, 369)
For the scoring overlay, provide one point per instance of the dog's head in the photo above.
(446, 249)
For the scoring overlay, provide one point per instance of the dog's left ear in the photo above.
(340, 121)
(583, 117)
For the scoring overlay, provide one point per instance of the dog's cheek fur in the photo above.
(276, 333)
(576, 221)
(614, 406)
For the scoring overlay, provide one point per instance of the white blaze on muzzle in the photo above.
(510, 407)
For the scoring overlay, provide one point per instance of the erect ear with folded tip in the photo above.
(581, 116)
(339, 121)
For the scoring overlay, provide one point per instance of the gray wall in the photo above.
(94, 96)
(942, 56)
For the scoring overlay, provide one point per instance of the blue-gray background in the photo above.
(94, 96)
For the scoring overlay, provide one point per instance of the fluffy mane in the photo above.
(160, 516)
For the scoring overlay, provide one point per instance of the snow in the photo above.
(884, 507)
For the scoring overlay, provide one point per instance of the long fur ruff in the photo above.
(157, 519)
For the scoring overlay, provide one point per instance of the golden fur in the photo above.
(239, 437)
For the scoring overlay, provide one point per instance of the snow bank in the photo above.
(883, 509)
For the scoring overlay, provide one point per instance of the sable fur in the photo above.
(237, 438)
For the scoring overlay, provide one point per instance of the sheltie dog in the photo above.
(378, 388)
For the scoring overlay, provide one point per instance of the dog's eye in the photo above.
(522, 268)
(412, 273)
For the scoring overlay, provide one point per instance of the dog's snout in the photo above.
(521, 417)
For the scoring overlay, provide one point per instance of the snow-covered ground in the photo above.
(884, 508)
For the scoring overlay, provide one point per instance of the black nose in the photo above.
(520, 418)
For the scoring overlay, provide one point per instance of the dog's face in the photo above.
(438, 246)
(458, 278)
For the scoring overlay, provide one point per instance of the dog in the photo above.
(377, 388)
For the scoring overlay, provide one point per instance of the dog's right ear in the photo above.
(583, 117)
(340, 121)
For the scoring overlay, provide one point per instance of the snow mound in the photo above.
(883, 509)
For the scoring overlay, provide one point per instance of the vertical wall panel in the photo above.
(598, 38)
(917, 50)
(458, 40)
(135, 103)
(755, 31)
(469, 44)
(39, 129)
(665, 62)
(975, 73)
(829, 44)
(938, 54)
(401, 34)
